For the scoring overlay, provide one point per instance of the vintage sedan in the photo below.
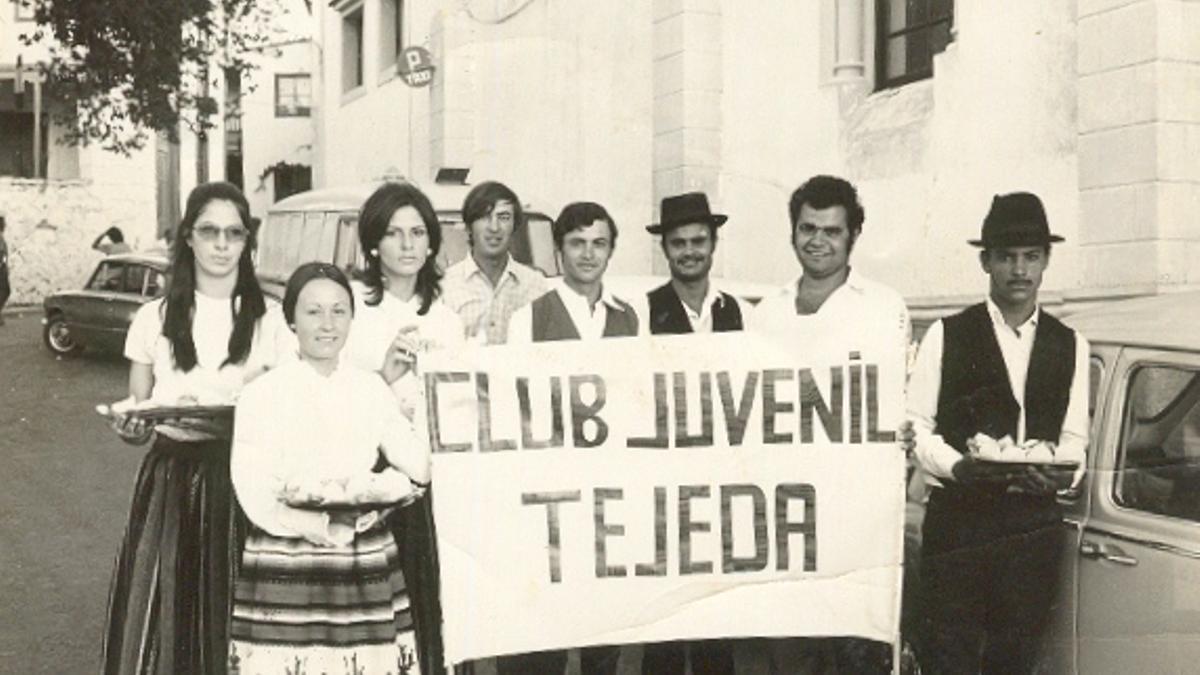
(1129, 594)
(99, 315)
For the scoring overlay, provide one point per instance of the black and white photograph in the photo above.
(595, 337)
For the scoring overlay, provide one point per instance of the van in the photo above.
(323, 225)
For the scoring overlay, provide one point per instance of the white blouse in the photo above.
(212, 323)
(374, 328)
(294, 424)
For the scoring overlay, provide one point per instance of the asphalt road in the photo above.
(64, 495)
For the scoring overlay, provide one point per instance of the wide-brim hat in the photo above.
(685, 209)
(1015, 219)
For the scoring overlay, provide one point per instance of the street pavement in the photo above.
(64, 496)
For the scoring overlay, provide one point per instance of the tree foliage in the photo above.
(127, 68)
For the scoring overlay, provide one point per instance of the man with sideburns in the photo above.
(577, 307)
(991, 537)
(689, 303)
(831, 298)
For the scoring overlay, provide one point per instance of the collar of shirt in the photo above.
(712, 297)
(471, 268)
(854, 282)
(1000, 324)
(571, 297)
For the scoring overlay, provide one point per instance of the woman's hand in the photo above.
(401, 356)
(131, 428)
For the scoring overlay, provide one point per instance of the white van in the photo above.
(323, 225)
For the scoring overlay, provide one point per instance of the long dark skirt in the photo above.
(171, 599)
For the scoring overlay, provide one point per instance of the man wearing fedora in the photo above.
(830, 298)
(689, 303)
(992, 537)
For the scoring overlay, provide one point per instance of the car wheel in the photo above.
(57, 336)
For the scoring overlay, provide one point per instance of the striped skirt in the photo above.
(301, 608)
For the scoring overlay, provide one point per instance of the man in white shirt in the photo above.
(487, 286)
(830, 297)
(991, 537)
(578, 306)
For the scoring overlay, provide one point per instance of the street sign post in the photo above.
(416, 67)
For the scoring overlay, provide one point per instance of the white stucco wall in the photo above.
(999, 115)
(555, 102)
(267, 139)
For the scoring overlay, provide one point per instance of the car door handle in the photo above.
(1110, 552)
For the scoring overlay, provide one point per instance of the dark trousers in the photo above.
(5, 289)
(709, 657)
(989, 573)
(827, 656)
(600, 660)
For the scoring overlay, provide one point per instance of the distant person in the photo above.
(115, 244)
(170, 603)
(5, 289)
(487, 286)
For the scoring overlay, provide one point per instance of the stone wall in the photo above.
(51, 225)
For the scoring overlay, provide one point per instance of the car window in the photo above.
(1158, 469)
(134, 280)
(1095, 378)
(109, 276)
(154, 283)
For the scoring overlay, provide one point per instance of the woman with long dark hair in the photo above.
(399, 314)
(399, 317)
(169, 607)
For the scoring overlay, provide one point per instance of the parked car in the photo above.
(1129, 585)
(99, 315)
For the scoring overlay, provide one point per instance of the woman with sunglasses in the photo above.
(169, 606)
(320, 588)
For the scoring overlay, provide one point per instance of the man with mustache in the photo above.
(992, 538)
(689, 303)
(831, 298)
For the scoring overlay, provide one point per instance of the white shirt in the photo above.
(935, 455)
(374, 328)
(858, 305)
(295, 423)
(209, 383)
(589, 319)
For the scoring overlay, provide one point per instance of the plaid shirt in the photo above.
(485, 309)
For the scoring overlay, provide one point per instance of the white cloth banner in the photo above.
(648, 489)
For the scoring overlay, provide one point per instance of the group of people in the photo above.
(219, 571)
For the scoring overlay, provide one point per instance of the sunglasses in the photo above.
(235, 235)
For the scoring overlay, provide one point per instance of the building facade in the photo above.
(57, 198)
(930, 106)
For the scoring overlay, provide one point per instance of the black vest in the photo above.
(975, 393)
(667, 314)
(551, 321)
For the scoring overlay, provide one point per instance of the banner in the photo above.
(649, 489)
